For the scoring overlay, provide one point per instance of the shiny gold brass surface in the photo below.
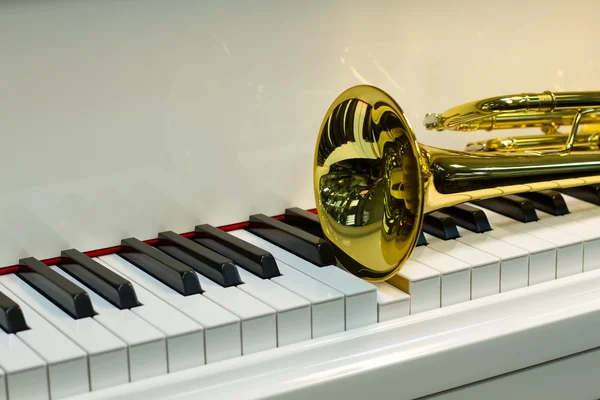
(551, 142)
(373, 181)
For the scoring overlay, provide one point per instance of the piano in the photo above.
(159, 237)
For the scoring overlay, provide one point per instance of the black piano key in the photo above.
(304, 220)
(589, 193)
(169, 271)
(469, 217)
(549, 201)
(65, 294)
(440, 225)
(251, 258)
(295, 240)
(112, 287)
(421, 241)
(207, 262)
(512, 206)
(12, 319)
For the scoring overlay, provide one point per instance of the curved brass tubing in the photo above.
(373, 181)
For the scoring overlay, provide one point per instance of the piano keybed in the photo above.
(149, 310)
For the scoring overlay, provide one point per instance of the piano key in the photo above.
(421, 283)
(205, 261)
(392, 302)
(327, 304)
(185, 338)
(485, 268)
(292, 311)
(304, 220)
(514, 261)
(549, 201)
(360, 296)
(468, 217)
(304, 245)
(440, 225)
(569, 249)
(455, 275)
(253, 259)
(589, 193)
(107, 354)
(581, 229)
(169, 271)
(421, 241)
(147, 352)
(221, 328)
(511, 206)
(110, 286)
(542, 254)
(66, 362)
(12, 319)
(69, 297)
(24, 371)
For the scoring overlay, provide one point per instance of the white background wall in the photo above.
(127, 117)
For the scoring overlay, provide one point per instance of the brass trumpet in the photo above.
(373, 181)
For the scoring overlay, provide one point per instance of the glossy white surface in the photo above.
(391, 302)
(292, 311)
(26, 372)
(514, 261)
(66, 362)
(360, 296)
(485, 268)
(569, 248)
(118, 117)
(258, 320)
(422, 283)
(185, 338)
(542, 253)
(455, 275)
(222, 337)
(532, 322)
(146, 345)
(107, 354)
(327, 304)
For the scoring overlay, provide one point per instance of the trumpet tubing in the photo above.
(373, 181)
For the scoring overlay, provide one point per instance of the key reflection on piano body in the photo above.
(121, 123)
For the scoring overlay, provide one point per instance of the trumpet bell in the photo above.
(368, 183)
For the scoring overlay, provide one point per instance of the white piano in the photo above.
(132, 130)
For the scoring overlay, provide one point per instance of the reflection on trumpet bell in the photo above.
(373, 182)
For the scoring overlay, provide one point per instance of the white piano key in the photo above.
(360, 296)
(221, 328)
(514, 261)
(455, 275)
(258, 320)
(25, 371)
(147, 350)
(292, 311)
(107, 354)
(392, 302)
(569, 249)
(185, 338)
(485, 268)
(421, 283)
(327, 304)
(67, 362)
(542, 253)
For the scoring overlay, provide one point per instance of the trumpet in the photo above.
(373, 182)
